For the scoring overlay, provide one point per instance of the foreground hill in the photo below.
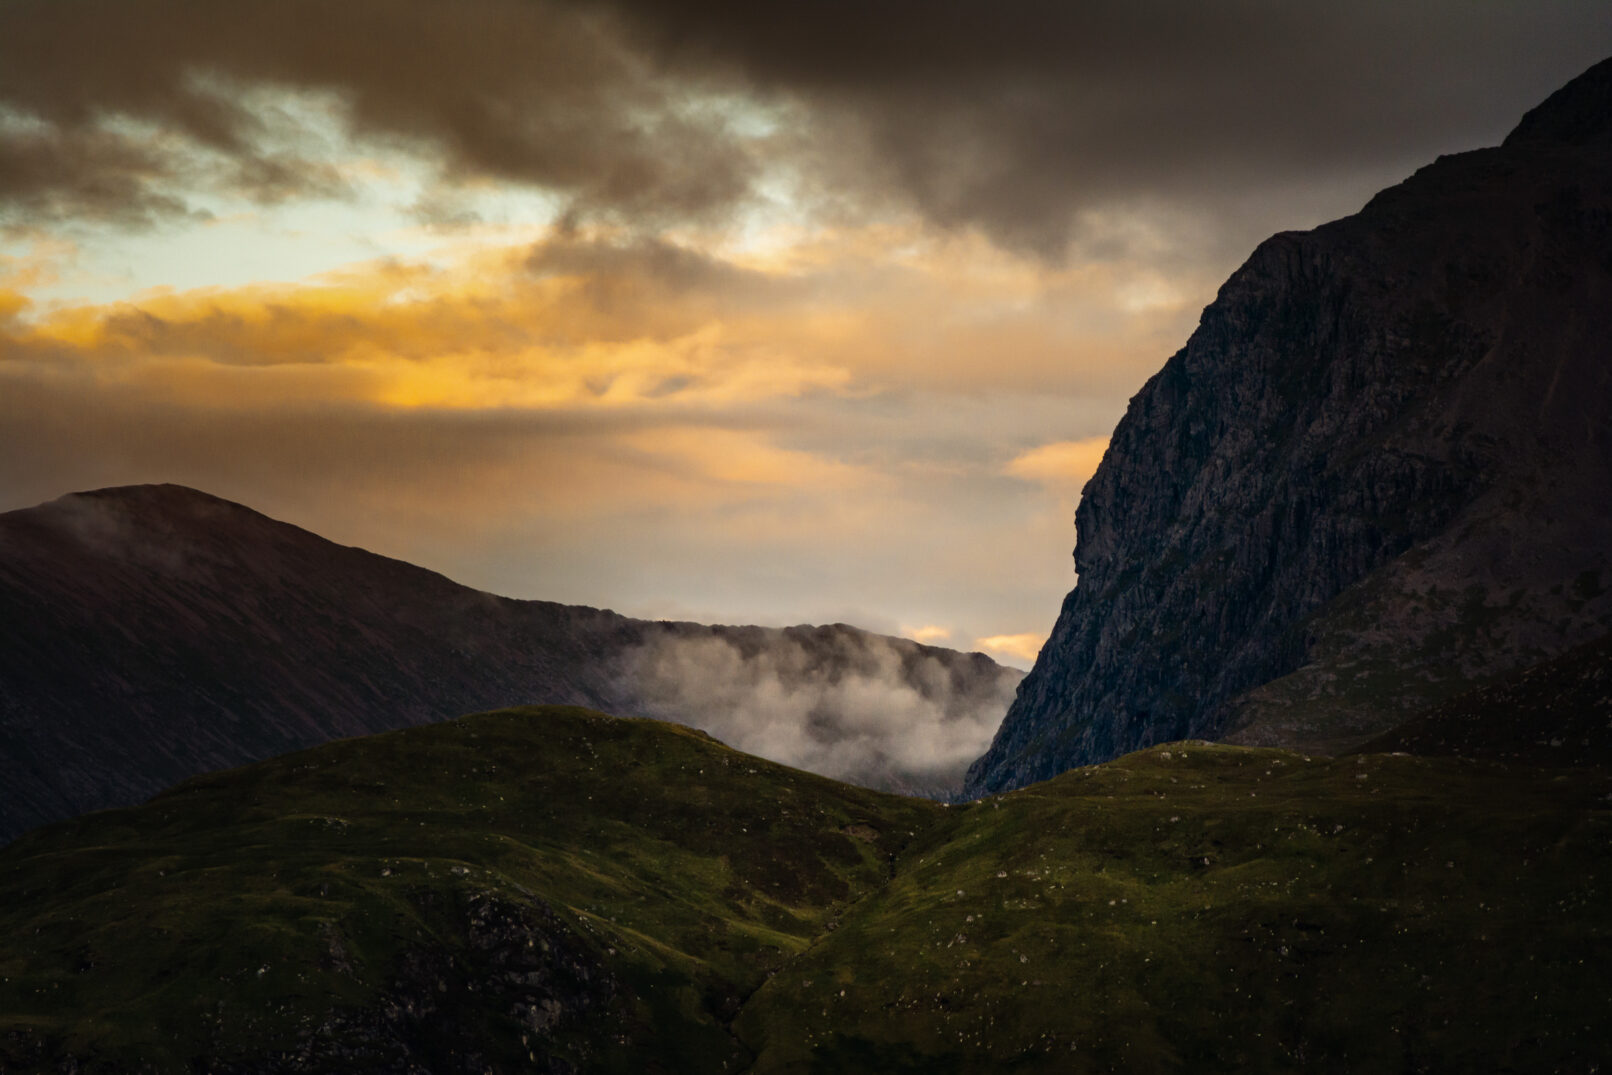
(1378, 473)
(155, 632)
(555, 890)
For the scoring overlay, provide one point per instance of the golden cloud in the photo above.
(485, 333)
(929, 634)
(605, 320)
(1023, 646)
(788, 416)
(1061, 464)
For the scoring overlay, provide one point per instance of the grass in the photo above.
(558, 890)
(232, 916)
(1197, 907)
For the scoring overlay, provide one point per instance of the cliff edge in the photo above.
(1378, 474)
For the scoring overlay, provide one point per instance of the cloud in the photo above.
(1023, 646)
(621, 272)
(1030, 123)
(781, 432)
(483, 332)
(929, 635)
(50, 174)
(1061, 465)
(1022, 119)
(604, 319)
(527, 92)
(856, 707)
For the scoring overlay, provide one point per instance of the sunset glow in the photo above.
(569, 304)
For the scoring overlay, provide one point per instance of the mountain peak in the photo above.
(1578, 114)
(162, 505)
(1374, 477)
(171, 632)
(157, 495)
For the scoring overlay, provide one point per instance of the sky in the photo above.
(692, 309)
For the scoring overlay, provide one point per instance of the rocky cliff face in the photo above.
(150, 633)
(1379, 472)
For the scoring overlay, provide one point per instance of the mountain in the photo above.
(1378, 474)
(559, 891)
(155, 632)
(1557, 712)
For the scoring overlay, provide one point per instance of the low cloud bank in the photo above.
(867, 709)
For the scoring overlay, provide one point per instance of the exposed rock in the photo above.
(1379, 472)
(519, 982)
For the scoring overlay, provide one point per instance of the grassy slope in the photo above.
(1197, 907)
(614, 895)
(237, 914)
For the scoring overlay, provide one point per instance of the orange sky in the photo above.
(572, 306)
(779, 433)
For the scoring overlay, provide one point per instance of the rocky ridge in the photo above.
(1378, 473)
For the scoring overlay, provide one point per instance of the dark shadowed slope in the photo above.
(154, 632)
(1379, 472)
(1557, 712)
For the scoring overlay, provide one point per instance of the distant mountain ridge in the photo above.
(155, 632)
(1378, 473)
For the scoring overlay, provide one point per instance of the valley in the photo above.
(557, 890)
(1313, 772)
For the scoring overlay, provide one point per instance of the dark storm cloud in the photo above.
(54, 173)
(1014, 117)
(499, 89)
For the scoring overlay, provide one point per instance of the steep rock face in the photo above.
(1380, 470)
(151, 633)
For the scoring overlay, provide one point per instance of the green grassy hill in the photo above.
(556, 890)
(1198, 907)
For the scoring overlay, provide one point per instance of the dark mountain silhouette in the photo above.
(155, 632)
(1378, 474)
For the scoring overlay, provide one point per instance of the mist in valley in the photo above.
(868, 709)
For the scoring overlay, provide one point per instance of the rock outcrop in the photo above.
(154, 632)
(1378, 473)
